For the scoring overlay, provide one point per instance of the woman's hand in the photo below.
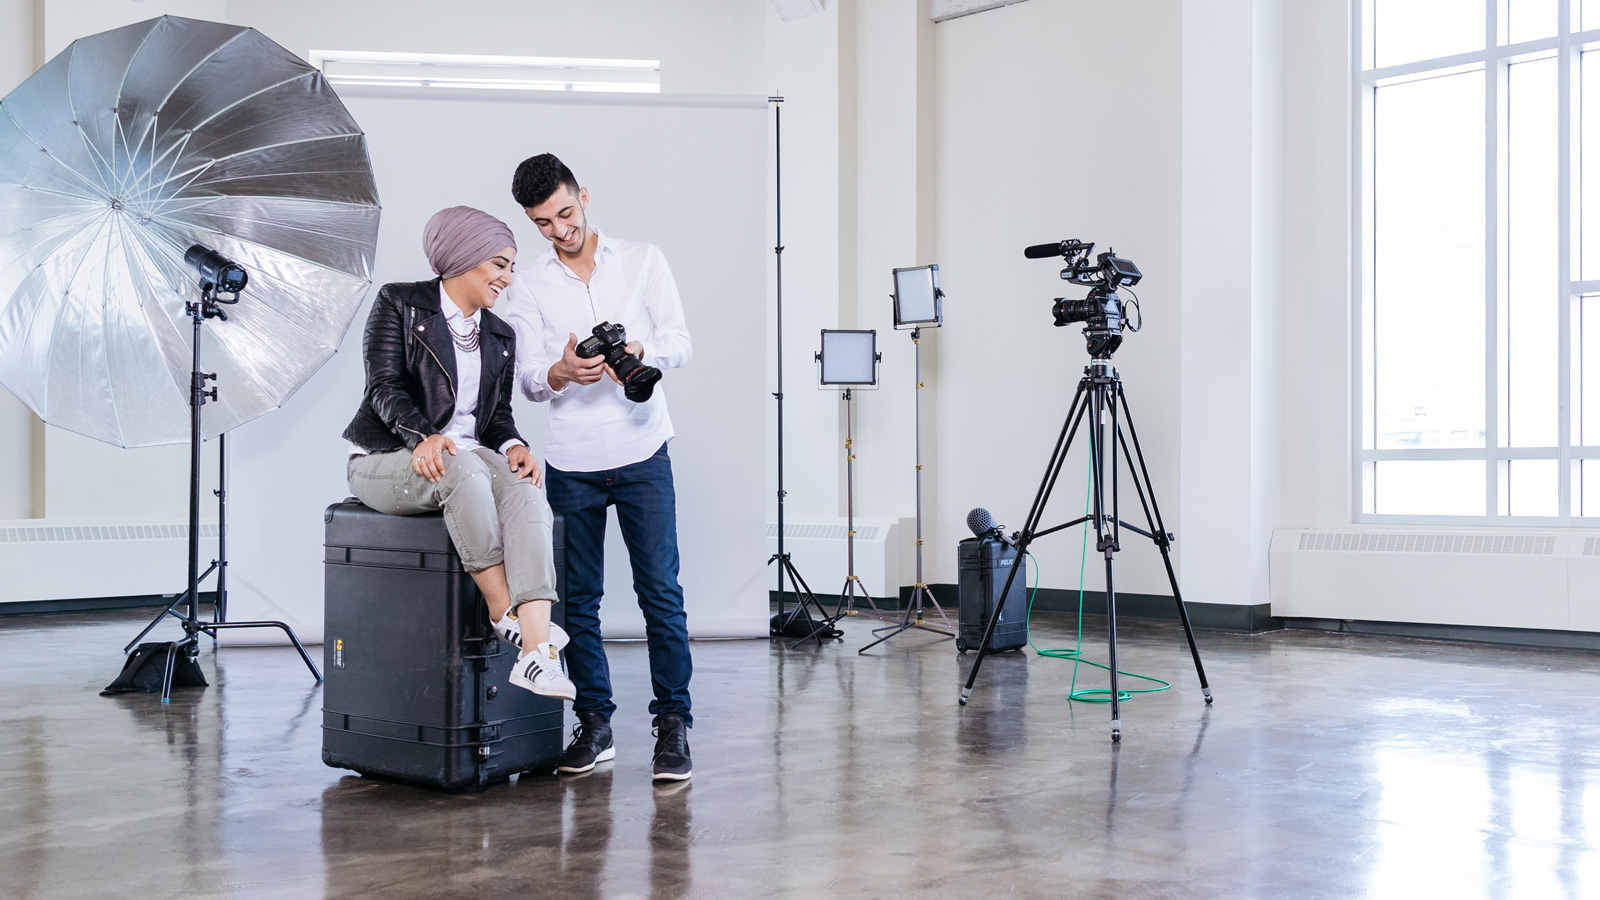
(428, 459)
(523, 464)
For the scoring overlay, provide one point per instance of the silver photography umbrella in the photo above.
(126, 149)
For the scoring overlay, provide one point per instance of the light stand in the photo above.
(219, 609)
(218, 276)
(849, 359)
(802, 592)
(918, 302)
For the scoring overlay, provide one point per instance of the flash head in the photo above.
(218, 274)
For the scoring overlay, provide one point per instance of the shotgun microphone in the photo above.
(1058, 248)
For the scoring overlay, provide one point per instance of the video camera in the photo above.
(1103, 311)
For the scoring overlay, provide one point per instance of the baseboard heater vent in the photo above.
(819, 550)
(1591, 546)
(39, 534)
(814, 532)
(1379, 542)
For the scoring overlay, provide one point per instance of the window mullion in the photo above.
(1495, 94)
(1361, 411)
(1568, 61)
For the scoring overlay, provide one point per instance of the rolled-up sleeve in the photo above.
(669, 346)
(533, 355)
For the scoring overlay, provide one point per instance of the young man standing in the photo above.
(602, 449)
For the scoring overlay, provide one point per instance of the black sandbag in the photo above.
(145, 666)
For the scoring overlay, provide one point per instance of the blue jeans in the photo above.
(647, 511)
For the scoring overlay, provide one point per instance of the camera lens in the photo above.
(1068, 310)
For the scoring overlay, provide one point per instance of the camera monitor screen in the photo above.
(849, 357)
(916, 296)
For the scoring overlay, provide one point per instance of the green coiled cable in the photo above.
(1083, 695)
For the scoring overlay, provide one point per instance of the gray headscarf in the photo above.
(461, 238)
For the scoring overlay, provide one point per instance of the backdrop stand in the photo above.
(803, 595)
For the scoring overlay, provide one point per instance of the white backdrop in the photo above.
(683, 172)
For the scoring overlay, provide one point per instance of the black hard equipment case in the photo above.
(984, 565)
(416, 683)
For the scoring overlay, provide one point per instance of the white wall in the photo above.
(1055, 120)
(803, 64)
(16, 422)
(1316, 263)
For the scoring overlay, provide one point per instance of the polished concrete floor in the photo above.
(1330, 766)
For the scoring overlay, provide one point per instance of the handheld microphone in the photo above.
(983, 525)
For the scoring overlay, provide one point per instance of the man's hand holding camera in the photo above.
(575, 369)
(633, 349)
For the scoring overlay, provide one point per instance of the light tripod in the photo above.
(231, 279)
(852, 582)
(802, 592)
(914, 608)
(1100, 396)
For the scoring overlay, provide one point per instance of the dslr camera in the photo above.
(610, 341)
(1104, 313)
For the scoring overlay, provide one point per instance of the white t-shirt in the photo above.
(594, 427)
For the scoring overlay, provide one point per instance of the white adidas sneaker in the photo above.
(539, 671)
(510, 631)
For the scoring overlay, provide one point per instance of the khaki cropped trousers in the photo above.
(493, 517)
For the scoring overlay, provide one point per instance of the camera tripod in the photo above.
(1100, 396)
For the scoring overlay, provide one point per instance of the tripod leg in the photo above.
(293, 639)
(170, 610)
(803, 596)
(927, 592)
(1158, 527)
(1058, 456)
(841, 609)
(172, 661)
(1105, 544)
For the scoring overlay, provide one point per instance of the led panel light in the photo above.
(917, 297)
(849, 357)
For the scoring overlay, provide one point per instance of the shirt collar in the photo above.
(452, 312)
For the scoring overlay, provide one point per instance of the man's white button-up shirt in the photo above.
(594, 427)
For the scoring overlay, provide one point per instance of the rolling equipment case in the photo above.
(417, 683)
(984, 565)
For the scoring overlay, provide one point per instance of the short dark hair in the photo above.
(538, 178)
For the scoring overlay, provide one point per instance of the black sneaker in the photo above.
(591, 743)
(672, 750)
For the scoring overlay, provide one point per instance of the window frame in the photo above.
(1495, 60)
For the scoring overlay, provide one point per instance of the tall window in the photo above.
(1478, 265)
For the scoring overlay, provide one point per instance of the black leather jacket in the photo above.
(411, 373)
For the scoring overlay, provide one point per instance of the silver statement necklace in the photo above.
(466, 343)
